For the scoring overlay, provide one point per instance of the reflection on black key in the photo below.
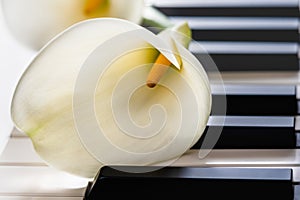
(241, 132)
(287, 8)
(190, 183)
(255, 99)
(232, 12)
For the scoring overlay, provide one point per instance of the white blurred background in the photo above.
(14, 58)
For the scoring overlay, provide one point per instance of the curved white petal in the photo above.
(35, 22)
(84, 103)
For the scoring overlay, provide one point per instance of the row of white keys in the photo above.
(24, 175)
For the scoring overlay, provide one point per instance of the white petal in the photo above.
(84, 103)
(35, 22)
(42, 103)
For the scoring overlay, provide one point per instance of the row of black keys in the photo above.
(270, 30)
(256, 116)
(190, 183)
(256, 131)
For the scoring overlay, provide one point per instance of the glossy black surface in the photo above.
(240, 132)
(186, 182)
(255, 100)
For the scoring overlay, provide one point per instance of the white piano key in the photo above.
(238, 77)
(243, 89)
(252, 121)
(15, 164)
(239, 23)
(38, 198)
(216, 47)
(236, 157)
(255, 158)
(296, 173)
(298, 92)
(297, 123)
(20, 151)
(39, 181)
(223, 3)
(242, 158)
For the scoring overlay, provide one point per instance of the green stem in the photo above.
(155, 19)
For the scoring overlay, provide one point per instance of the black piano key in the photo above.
(246, 56)
(255, 99)
(246, 35)
(241, 132)
(238, 23)
(232, 12)
(226, 3)
(288, 8)
(252, 62)
(273, 29)
(191, 182)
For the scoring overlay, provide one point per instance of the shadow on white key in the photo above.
(39, 181)
(24, 175)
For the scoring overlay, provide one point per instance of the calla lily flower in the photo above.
(35, 22)
(84, 102)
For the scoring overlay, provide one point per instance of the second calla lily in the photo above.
(84, 103)
(35, 22)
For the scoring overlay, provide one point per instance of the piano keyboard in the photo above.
(28, 176)
(241, 36)
(255, 46)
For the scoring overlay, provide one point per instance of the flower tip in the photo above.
(92, 5)
(151, 84)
